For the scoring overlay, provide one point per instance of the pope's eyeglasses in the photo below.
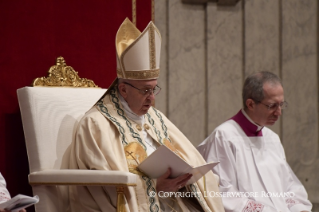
(155, 90)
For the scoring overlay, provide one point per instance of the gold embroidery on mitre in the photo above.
(125, 36)
(145, 74)
(119, 73)
(152, 53)
(135, 154)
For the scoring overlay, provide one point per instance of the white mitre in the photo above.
(138, 54)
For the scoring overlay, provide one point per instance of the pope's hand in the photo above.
(166, 184)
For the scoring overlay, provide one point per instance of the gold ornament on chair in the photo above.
(63, 75)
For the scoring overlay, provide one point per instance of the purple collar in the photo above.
(249, 128)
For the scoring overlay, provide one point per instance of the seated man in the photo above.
(4, 194)
(123, 128)
(253, 170)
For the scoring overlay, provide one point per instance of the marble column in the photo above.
(300, 77)
(224, 63)
(186, 65)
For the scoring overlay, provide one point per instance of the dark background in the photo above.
(33, 34)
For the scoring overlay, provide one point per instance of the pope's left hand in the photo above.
(166, 184)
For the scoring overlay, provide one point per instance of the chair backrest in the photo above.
(49, 116)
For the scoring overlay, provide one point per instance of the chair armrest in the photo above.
(82, 177)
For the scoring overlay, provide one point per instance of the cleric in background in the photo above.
(253, 165)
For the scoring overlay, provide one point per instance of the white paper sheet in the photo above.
(18, 202)
(163, 158)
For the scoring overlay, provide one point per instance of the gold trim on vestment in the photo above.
(135, 154)
(169, 145)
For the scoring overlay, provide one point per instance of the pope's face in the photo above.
(138, 102)
(273, 93)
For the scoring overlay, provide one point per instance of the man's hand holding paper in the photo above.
(167, 184)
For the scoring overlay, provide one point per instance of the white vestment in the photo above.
(4, 193)
(110, 137)
(253, 171)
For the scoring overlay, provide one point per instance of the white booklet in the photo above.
(163, 158)
(18, 202)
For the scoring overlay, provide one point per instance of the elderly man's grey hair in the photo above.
(253, 86)
(121, 80)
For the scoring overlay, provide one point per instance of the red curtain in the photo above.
(33, 34)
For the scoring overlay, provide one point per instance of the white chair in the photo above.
(49, 117)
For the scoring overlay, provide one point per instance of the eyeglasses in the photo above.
(155, 90)
(274, 106)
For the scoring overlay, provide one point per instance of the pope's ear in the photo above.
(250, 104)
(122, 90)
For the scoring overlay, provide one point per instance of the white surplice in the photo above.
(254, 165)
(4, 193)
